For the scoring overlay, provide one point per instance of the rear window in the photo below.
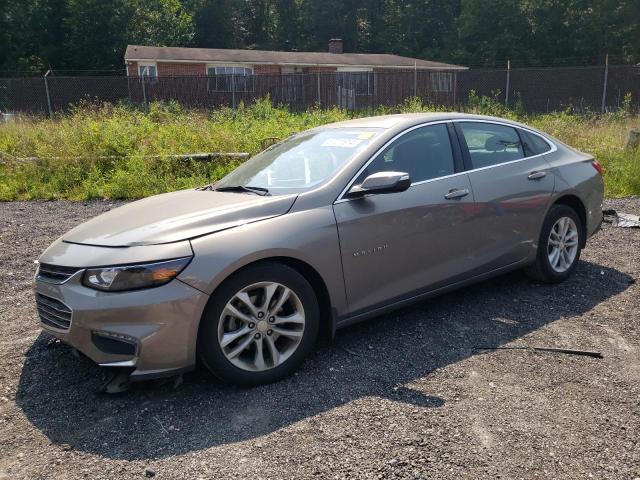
(534, 144)
(491, 144)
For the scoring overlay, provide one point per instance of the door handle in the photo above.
(536, 175)
(456, 193)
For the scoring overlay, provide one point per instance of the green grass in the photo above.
(68, 147)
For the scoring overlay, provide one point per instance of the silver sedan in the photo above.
(329, 227)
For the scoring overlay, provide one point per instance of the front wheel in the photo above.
(559, 245)
(259, 325)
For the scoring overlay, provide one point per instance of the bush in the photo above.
(117, 151)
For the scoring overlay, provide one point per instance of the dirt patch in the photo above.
(402, 396)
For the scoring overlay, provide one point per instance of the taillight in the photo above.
(597, 166)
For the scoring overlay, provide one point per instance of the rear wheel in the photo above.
(259, 325)
(559, 245)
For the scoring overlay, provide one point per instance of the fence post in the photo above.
(233, 90)
(144, 87)
(455, 89)
(46, 89)
(415, 79)
(506, 94)
(318, 81)
(604, 87)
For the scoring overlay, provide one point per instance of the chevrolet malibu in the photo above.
(329, 227)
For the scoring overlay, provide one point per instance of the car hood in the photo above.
(176, 216)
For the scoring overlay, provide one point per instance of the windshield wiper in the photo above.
(243, 188)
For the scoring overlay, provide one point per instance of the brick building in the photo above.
(343, 79)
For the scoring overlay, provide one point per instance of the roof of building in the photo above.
(265, 57)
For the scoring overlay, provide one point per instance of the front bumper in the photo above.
(161, 323)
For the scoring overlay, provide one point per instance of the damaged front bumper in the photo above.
(153, 331)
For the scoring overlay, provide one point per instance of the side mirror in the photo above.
(381, 182)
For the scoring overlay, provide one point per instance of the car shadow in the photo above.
(385, 357)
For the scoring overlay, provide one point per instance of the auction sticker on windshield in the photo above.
(341, 142)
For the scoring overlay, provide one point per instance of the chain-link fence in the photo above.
(533, 90)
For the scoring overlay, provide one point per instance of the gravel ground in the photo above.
(402, 396)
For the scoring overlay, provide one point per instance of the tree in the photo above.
(491, 31)
(287, 29)
(323, 20)
(216, 24)
(93, 34)
(99, 30)
(160, 23)
(257, 23)
(381, 29)
(97, 33)
(31, 34)
(428, 27)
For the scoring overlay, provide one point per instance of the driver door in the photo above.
(398, 245)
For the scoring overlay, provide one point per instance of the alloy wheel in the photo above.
(562, 246)
(261, 326)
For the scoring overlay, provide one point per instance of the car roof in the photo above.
(403, 120)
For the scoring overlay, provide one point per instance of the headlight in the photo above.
(132, 277)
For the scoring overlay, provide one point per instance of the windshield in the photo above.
(301, 162)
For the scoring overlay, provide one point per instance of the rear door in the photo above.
(512, 184)
(396, 245)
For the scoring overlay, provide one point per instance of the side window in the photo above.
(423, 153)
(534, 145)
(491, 144)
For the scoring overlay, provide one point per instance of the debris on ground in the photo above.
(567, 351)
(118, 382)
(621, 220)
(351, 352)
(161, 425)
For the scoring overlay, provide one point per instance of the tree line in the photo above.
(36, 35)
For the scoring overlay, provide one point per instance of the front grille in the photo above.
(53, 313)
(54, 273)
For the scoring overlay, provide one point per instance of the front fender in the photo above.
(309, 236)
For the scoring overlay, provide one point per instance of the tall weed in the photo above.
(117, 151)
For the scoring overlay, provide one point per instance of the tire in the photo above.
(543, 270)
(228, 315)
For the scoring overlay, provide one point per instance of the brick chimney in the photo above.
(335, 45)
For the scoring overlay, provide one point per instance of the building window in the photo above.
(286, 70)
(229, 79)
(148, 71)
(441, 81)
(356, 82)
